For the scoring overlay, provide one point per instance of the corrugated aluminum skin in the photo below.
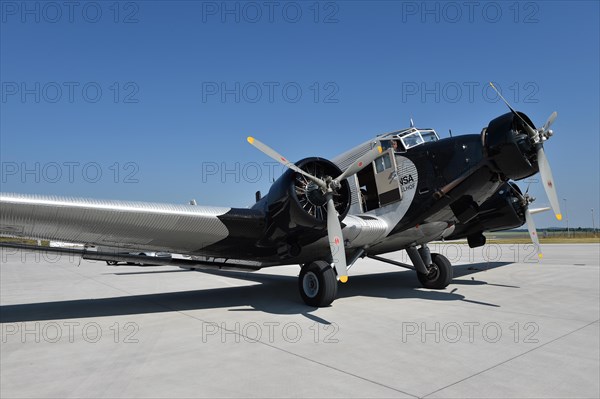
(127, 224)
(343, 162)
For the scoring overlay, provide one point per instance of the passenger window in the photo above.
(383, 163)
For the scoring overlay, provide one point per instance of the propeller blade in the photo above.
(336, 241)
(533, 232)
(530, 130)
(539, 210)
(550, 121)
(265, 149)
(360, 164)
(548, 181)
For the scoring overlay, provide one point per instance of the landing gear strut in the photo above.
(439, 274)
(433, 270)
(318, 284)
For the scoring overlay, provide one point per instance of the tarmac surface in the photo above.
(506, 327)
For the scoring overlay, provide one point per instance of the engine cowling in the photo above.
(507, 143)
(297, 205)
(502, 211)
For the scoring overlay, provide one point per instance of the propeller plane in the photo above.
(397, 191)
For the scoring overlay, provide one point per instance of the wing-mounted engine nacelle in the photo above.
(295, 205)
(509, 146)
(502, 211)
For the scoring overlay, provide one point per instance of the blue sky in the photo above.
(152, 100)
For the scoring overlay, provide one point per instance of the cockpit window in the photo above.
(412, 140)
(408, 138)
(393, 144)
(429, 136)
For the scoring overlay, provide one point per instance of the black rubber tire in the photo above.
(440, 275)
(326, 288)
(111, 262)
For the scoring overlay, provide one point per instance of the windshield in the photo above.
(412, 140)
(429, 136)
(401, 141)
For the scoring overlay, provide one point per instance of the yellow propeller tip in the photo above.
(343, 279)
(559, 216)
(250, 139)
(380, 149)
(540, 256)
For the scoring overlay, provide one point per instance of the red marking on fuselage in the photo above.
(337, 240)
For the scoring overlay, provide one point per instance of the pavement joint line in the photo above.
(512, 358)
(500, 310)
(260, 342)
(300, 356)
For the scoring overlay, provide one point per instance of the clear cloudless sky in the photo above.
(153, 100)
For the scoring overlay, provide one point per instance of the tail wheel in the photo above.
(111, 262)
(317, 284)
(440, 273)
(141, 263)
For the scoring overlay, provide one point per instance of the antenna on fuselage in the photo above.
(450, 131)
(412, 124)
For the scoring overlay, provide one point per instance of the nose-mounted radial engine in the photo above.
(322, 196)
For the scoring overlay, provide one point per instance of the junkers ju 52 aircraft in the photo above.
(398, 191)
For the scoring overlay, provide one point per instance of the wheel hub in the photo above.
(433, 272)
(310, 284)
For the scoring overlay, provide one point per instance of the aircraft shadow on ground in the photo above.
(275, 294)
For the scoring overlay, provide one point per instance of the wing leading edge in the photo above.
(169, 227)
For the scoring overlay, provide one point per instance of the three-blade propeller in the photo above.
(328, 186)
(538, 136)
(526, 201)
(531, 227)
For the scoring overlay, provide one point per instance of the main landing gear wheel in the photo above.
(440, 273)
(318, 284)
